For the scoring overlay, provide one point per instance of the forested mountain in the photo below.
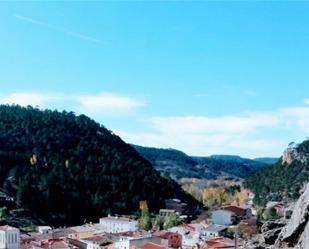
(179, 165)
(283, 180)
(66, 168)
(170, 162)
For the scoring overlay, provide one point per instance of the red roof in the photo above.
(187, 227)
(163, 234)
(152, 246)
(97, 238)
(236, 210)
(221, 243)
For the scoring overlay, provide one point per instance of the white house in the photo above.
(214, 230)
(223, 217)
(131, 239)
(112, 224)
(95, 242)
(9, 237)
(44, 229)
(190, 236)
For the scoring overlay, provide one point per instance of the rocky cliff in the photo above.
(296, 233)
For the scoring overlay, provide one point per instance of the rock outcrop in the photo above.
(271, 230)
(292, 154)
(296, 233)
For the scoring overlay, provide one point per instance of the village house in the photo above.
(96, 242)
(223, 217)
(9, 237)
(152, 246)
(166, 212)
(126, 240)
(138, 242)
(44, 229)
(230, 215)
(221, 243)
(81, 232)
(176, 205)
(174, 240)
(46, 244)
(213, 231)
(116, 224)
(277, 206)
(190, 235)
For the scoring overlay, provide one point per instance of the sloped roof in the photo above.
(150, 245)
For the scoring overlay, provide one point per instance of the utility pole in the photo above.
(235, 237)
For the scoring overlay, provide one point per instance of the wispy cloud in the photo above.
(92, 104)
(56, 28)
(202, 135)
(249, 134)
(33, 21)
(25, 99)
(108, 103)
(84, 37)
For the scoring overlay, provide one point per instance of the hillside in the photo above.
(171, 162)
(284, 179)
(65, 169)
(179, 165)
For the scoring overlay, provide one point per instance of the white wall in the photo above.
(122, 244)
(91, 244)
(211, 234)
(9, 239)
(222, 217)
(117, 226)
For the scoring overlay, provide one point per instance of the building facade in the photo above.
(223, 217)
(9, 237)
(118, 225)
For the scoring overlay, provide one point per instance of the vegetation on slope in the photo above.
(281, 180)
(66, 168)
(178, 165)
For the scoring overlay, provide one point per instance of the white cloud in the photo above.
(108, 103)
(296, 116)
(24, 99)
(210, 125)
(103, 103)
(202, 135)
(251, 134)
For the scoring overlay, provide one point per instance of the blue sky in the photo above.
(203, 77)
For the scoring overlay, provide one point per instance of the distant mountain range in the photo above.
(177, 164)
(284, 179)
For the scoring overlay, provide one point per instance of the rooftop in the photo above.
(116, 218)
(215, 228)
(135, 234)
(81, 229)
(8, 228)
(221, 242)
(152, 246)
(163, 234)
(98, 238)
(234, 209)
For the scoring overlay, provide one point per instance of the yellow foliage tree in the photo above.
(240, 198)
(214, 197)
